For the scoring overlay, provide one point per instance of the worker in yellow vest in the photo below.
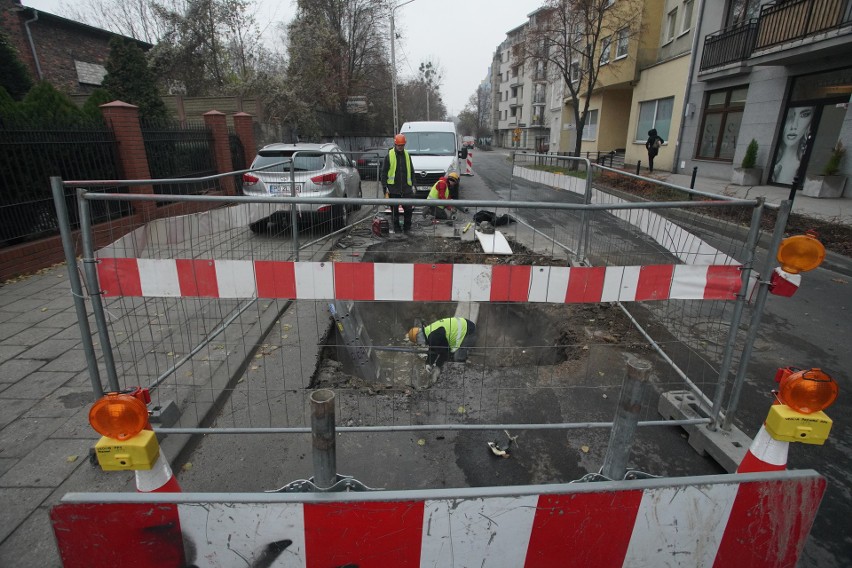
(447, 339)
(444, 189)
(397, 179)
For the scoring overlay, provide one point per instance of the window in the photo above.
(671, 25)
(606, 43)
(621, 43)
(575, 71)
(740, 11)
(655, 114)
(720, 125)
(687, 16)
(590, 128)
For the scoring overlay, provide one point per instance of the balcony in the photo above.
(788, 21)
(539, 75)
(779, 23)
(729, 46)
(539, 99)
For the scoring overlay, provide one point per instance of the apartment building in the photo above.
(777, 72)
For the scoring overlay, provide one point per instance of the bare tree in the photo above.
(576, 38)
(474, 119)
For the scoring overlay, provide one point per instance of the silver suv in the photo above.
(319, 170)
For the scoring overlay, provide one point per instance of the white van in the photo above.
(435, 150)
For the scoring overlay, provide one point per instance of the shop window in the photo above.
(655, 114)
(720, 124)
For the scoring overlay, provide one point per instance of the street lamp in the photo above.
(393, 67)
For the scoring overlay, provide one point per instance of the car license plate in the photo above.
(284, 188)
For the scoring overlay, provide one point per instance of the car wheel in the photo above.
(360, 194)
(339, 216)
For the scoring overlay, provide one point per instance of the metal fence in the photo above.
(179, 151)
(226, 329)
(29, 155)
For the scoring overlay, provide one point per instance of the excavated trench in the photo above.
(510, 336)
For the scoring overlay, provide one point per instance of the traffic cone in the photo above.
(158, 479)
(765, 454)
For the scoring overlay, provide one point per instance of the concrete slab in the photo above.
(727, 448)
(494, 243)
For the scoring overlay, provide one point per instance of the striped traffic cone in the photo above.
(158, 479)
(765, 454)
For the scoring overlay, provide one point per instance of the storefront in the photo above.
(814, 115)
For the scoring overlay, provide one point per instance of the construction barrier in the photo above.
(469, 164)
(759, 520)
(365, 281)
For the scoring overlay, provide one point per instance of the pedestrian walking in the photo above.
(396, 177)
(653, 146)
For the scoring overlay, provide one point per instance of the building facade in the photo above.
(779, 73)
(67, 54)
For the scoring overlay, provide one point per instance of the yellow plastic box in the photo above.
(139, 452)
(787, 425)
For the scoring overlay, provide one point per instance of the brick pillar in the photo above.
(217, 124)
(123, 119)
(243, 124)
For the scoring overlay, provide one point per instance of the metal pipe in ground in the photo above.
(626, 419)
(323, 438)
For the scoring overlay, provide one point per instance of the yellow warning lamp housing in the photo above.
(800, 417)
(787, 425)
(118, 416)
(800, 253)
(138, 452)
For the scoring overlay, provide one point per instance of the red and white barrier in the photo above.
(414, 282)
(757, 520)
(765, 454)
(469, 165)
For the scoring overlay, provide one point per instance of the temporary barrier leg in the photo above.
(626, 419)
(323, 437)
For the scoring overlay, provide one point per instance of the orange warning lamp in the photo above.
(800, 253)
(807, 391)
(118, 416)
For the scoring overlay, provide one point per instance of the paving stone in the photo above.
(77, 426)
(9, 351)
(32, 544)
(38, 385)
(12, 408)
(21, 436)
(48, 465)
(12, 370)
(49, 350)
(8, 330)
(72, 360)
(63, 402)
(24, 305)
(18, 503)
(28, 336)
(49, 318)
(5, 465)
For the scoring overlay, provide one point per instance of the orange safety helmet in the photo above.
(399, 139)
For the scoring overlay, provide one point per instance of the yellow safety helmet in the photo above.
(453, 175)
(412, 334)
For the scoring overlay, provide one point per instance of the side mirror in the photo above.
(463, 153)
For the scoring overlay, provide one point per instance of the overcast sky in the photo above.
(461, 35)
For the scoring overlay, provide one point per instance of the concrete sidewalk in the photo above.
(45, 394)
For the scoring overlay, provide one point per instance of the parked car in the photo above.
(319, 170)
(468, 142)
(369, 162)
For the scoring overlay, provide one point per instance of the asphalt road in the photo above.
(811, 329)
(808, 330)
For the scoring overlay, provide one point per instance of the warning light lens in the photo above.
(800, 253)
(118, 416)
(808, 391)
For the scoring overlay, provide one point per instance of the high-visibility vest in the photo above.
(435, 194)
(456, 330)
(392, 166)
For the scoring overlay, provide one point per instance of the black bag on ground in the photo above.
(492, 218)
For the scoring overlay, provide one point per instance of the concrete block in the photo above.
(164, 415)
(727, 448)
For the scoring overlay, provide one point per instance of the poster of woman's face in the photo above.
(791, 145)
